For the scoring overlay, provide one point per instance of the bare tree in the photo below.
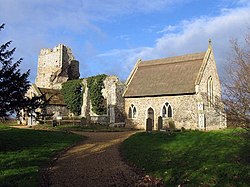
(237, 84)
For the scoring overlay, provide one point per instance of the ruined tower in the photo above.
(56, 66)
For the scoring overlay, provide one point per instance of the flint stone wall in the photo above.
(56, 66)
(214, 115)
(184, 111)
(52, 109)
(112, 93)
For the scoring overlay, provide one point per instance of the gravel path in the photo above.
(95, 162)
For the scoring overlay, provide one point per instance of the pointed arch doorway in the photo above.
(150, 114)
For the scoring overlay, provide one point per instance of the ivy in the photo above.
(95, 86)
(72, 95)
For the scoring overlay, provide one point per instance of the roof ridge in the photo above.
(174, 59)
(165, 63)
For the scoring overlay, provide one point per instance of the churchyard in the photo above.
(24, 153)
(193, 158)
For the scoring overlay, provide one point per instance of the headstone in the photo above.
(159, 123)
(83, 121)
(149, 125)
(59, 119)
(171, 124)
(54, 123)
(32, 119)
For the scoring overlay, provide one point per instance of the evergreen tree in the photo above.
(13, 83)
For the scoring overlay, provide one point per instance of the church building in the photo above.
(183, 90)
(57, 66)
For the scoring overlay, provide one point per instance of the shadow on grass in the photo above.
(24, 152)
(245, 150)
(193, 158)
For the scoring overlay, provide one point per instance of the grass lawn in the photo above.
(192, 158)
(23, 152)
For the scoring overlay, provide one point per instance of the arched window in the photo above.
(129, 112)
(167, 111)
(210, 91)
(132, 112)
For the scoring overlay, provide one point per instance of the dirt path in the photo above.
(95, 162)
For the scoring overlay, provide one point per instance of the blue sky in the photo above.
(108, 36)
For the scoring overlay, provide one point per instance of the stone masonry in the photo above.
(214, 119)
(191, 111)
(56, 66)
(184, 111)
(112, 93)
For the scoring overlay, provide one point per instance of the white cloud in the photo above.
(56, 11)
(244, 2)
(108, 8)
(193, 37)
(168, 28)
(33, 25)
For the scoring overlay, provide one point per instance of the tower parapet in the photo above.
(56, 66)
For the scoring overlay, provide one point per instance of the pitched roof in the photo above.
(166, 76)
(54, 96)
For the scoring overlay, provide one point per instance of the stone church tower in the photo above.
(56, 66)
